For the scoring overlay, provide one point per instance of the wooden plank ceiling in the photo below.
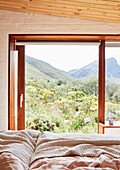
(100, 10)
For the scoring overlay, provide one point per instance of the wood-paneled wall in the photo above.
(100, 10)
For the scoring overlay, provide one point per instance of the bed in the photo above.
(34, 150)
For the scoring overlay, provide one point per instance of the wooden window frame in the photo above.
(21, 87)
(59, 38)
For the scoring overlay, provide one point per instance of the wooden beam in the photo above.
(100, 10)
(66, 37)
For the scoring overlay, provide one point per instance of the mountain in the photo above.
(113, 68)
(90, 70)
(40, 69)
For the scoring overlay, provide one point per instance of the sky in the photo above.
(68, 57)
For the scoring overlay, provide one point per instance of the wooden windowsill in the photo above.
(106, 125)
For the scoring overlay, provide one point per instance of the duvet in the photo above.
(34, 150)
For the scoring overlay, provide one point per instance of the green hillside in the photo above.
(40, 69)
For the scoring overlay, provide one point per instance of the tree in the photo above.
(90, 86)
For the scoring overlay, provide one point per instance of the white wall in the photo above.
(112, 131)
(25, 23)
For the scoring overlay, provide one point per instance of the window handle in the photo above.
(21, 100)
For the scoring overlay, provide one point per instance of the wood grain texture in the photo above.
(11, 86)
(99, 10)
(101, 84)
(66, 37)
(102, 127)
(21, 87)
(109, 126)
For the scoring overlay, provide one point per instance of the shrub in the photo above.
(60, 108)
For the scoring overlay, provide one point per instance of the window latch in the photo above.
(21, 100)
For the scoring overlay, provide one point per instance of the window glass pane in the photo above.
(61, 88)
(112, 109)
